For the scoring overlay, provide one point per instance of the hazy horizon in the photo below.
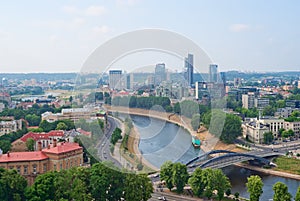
(59, 36)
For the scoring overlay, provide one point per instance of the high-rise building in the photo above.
(160, 73)
(115, 79)
(248, 100)
(213, 73)
(298, 84)
(189, 66)
(237, 82)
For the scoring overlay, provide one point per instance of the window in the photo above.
(45, 167)
(54, 167)
(34, 169)
(25, 169)
(19, 169)
(61, 166)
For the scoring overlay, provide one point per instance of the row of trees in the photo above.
(35, 111)
(65, 124)
(281, 193)
(142, 102)
(206, 182)
(100, 182)
(116, 135)
(202, 182)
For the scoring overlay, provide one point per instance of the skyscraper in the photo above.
(213, 73)
(189, 66)
(115, 79)
(160, 73)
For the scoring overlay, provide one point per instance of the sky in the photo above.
(59, 35)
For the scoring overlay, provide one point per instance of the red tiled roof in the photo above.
(62, 148)
(23, 156)
(38, 136)
(83, 132)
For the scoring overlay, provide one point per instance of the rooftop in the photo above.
(62, 148)
(23, 156)
(38, 136)
(39, 155)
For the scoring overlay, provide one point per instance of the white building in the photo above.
(10, 126)
(254, 130)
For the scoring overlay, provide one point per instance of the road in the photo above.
(171, 197)
(104, 143)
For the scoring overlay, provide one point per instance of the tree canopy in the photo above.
(254, 187)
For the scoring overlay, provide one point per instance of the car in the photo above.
(103, 144)
(162, 198)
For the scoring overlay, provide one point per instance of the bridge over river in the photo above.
(227, 158)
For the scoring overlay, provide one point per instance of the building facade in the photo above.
(115, 79)
(31, 164)
(9, 126)
(189, 66)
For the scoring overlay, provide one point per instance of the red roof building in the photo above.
(45, 138)
(30, 164)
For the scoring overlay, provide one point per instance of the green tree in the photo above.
(236, 195)
(116, 135)
(46, 126)
(220, 182)
(30, 144)
(43, 187)
(281, 192)
(269, 110)
(196, 181)
(297, 196)
(207, 179)
(180, 176)
(5, 145)
(254, 187)
(32, 119)
(166, 174)
(61, 126)
(195, 121)
(137, 187)
(232, 128)
(268, 137)
(12, 185)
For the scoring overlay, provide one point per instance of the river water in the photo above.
(161, 141)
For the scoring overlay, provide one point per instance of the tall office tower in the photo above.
(213, 73)
(160, 73)
(223, 78)
(115, 79)
(189, 66)
(298, 84)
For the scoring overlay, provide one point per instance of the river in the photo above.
(161, 141)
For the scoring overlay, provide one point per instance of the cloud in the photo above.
(239, 27)
(95, 10)
(126, 2)
(101, 29)
(70, 9)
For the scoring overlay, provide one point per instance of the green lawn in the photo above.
(286, 164)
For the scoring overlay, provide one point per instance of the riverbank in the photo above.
(269, 171)
(208, 141)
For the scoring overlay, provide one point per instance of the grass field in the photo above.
(286, 164)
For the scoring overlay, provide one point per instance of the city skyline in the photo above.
(59, 36)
